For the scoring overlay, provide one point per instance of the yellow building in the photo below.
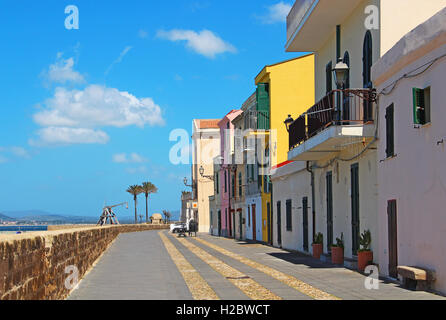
(284, 88)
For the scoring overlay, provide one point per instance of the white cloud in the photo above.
(277, 13)
(132, 158)
(97, 106)
(142, 34)
(177, 77)
(20, 152)
(62, 71)
(56, 136)
(141, 169)
(119, 59)
(3, 159)
(205, 42)
(15, 152)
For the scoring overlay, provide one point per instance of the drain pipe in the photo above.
(313, 200)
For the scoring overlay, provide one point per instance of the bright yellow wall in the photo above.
(291, 92)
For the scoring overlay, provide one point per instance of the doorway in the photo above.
(268, 219)
(279, 224)
(305, 223)
(393, 238)
(219, 222)
(254, 232)
(355, 208)
(329, 211)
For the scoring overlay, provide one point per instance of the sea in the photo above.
(21, 229)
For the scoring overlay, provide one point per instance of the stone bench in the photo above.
(416, 278)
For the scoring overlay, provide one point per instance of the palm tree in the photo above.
(148, 188)
(167, 215)
(135, 191)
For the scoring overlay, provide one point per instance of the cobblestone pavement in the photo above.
(160, 266)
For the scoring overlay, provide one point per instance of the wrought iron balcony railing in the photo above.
(256, 120)
(338, 107)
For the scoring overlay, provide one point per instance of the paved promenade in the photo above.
(159, 266)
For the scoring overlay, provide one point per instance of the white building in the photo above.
(411, 80)
(337, 136)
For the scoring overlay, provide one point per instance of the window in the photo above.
(226, 181)
(421, 106)
(217, 182)
(289, 226)
(233, 185)
(211, 218)
(240, 182)
(328, 78)
(390, 131)
(367, 60)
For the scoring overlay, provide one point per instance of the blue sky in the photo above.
(85, 113)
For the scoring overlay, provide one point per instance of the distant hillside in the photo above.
(42, 217)
(5, 218)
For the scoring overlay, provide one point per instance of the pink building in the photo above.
(227, 149)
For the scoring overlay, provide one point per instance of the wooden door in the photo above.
(329, 211)
(393, 238)
(254, 231)
(355, 208)
(305, 223)
(279, 223)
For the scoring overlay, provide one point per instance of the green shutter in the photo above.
(390, 131)
(263, 106)
(419, 106)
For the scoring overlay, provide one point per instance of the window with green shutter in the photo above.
(390, 131)
(421, 106)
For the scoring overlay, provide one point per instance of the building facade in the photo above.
(337, 136)
(410, 81)
(282, 88)
(205, 146)
(226, 172)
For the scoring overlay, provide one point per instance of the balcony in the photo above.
(311, 22)
(256, 120)
(341, 119)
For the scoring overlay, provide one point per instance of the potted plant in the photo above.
(337, 251)
(365, 255)
(318, 246)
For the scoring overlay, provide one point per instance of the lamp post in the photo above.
(288, 122)
(340, 72)
(201, 170)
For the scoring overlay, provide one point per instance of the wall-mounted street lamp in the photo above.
(201, 170)
(186, 184)
(340, 73)
(288, 122)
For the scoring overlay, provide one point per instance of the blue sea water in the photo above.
(9, 229)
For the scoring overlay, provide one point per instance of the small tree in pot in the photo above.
(337, 251)
(318, 245)
(365, 255)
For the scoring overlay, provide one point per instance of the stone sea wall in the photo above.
(33, 265)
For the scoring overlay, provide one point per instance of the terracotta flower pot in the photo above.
(364, 259)
(317, 251)
(337, 255)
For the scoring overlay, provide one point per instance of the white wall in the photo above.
(342, 212)
(292, 182)
(416, 177)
